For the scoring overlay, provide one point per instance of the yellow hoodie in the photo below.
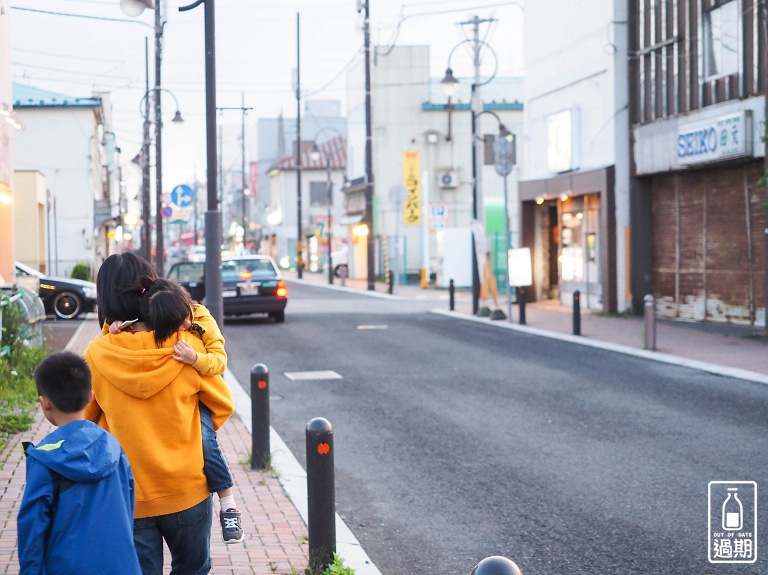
(150, 402)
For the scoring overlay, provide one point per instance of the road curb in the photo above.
(293, 478)
(618, 348)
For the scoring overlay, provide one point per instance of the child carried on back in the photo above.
(168, 308)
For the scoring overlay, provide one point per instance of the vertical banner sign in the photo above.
(411, 175)
(253, 179)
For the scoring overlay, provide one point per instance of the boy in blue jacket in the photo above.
(76, 515)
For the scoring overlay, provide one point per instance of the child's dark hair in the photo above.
(165, 305)
(118, 290)
(65, 379)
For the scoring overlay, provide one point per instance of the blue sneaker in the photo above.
(231, 527)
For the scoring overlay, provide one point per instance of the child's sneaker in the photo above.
(231, 528)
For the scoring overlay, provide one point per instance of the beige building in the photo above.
(30, 237)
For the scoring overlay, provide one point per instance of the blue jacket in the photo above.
(76, 515)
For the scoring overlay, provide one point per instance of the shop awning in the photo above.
(351, 219)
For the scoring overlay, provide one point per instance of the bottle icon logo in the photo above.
(733, 511)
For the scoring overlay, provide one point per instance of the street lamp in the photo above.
(315, 156)
(154, 94)
(246, 191)
(449, 85)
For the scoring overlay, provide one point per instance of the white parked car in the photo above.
(339, 259)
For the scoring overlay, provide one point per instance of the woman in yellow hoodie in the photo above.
(150, 402)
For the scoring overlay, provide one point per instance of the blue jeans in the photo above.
(216, 470)
(188, 535)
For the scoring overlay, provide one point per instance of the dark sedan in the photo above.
(250, 284)
(66, 298)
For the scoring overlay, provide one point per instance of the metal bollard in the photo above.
(321, 495)
(496, 565)
(577, 312)
(649, 314)
(451, 296)
(343, 275)
(260, 453)
(390, 282)
(521, 303)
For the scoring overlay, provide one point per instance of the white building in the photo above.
(281, 228)
(574, 188)
(66, 141)
(422, 156)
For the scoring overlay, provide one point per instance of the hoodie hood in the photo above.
(80, 451)
(132, 362)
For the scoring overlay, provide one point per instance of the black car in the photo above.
(67, 298)
(250, 284)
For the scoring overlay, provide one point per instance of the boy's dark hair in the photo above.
(165, 306)
(119, 284)
(65, 379)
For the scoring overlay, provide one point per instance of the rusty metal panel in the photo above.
(708, 245)
(664, 242)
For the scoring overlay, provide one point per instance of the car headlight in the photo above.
(90, 292)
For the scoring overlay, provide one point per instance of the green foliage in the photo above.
(338, 567)
(18, 394)
(81, 272)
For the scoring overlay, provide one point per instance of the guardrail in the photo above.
(33, 309)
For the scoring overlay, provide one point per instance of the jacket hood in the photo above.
(80, 451)
(133, 363)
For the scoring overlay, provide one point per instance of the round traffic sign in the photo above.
(167, 211)
(182, 196)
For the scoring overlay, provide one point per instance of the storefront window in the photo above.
(572, 253)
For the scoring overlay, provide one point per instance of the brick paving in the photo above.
(275, 540)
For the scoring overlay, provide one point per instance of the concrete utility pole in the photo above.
(478, 210)
(763, 15)
(159, 243)
(371, 240)
(299, 243)
(244, 198)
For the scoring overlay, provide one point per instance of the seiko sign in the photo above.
(716, 139)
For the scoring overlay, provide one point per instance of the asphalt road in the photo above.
(456, 440)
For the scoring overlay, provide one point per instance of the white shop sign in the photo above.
(719, 138)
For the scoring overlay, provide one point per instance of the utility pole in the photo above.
(159, 243)
(371, 245)
(243, 110)
(146, 201)
(478, 210)
(763, 15)
(299, 250)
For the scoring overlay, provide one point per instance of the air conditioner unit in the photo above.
(448, 180)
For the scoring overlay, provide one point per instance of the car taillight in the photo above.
(282, 291)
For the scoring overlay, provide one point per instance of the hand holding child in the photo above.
(118, 326)
(184, 353)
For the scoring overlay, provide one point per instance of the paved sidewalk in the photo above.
(275, 533)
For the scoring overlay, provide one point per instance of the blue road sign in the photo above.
(182, 196)
(167, 211)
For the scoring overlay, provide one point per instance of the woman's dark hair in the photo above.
(165, 306)
(119, 284)
(65, 379)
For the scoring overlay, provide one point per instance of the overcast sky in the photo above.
(255, 56)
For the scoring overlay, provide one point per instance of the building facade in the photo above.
(575, 174)
(422, 165)
(318, 208)
(698, 75)
(66, 141)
